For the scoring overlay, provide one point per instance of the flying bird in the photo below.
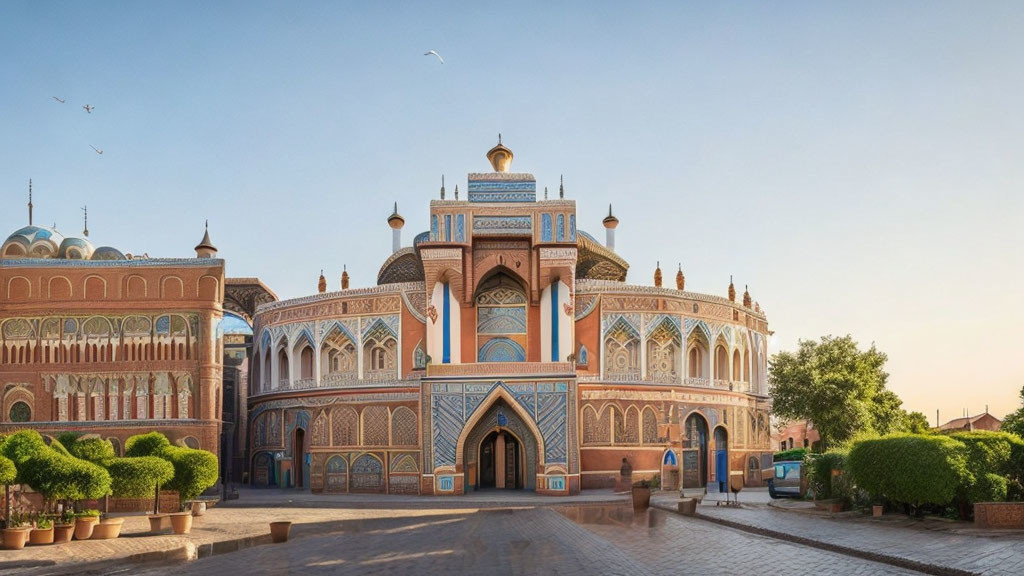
(434, 52)
(97, 150)
(59, 100)
(88, 108)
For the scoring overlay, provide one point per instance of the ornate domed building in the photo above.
(97, 342)
(505, 349)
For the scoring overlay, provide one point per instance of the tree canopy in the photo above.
(1014, 421)
(837, 386)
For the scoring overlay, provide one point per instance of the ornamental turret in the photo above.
(610, 223)
(322, 285)
(344, 278)
(732, 291)
(206, 249)
(657, 276)
(680, 279)
(396, 222)
(500, 157)
(746, 296)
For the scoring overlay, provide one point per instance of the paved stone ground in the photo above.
(940, 544)
(580, 540)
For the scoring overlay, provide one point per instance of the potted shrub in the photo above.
(194, 470)
(64, 528)
(877, 510)
(85, 522)
(42, 533)
(279, 531)
(107, 529)
(641, 495)
(17, 532)
(138, 477)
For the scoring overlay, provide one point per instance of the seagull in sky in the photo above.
(89, 109)
(59, 100)
(97, 150)
(434, 52)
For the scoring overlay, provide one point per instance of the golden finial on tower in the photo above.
(322, 285)
(732, 290)
(344, 277)
(500, 157)
(680, 279)
(29, 201)
(746, 296)
(657, 275)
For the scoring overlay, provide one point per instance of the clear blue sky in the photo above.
(859, 165)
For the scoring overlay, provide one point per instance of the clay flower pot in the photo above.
(198, 508)
(159, 522)
(40, 536)
(181, 522)
(279, 531)
(107, 529)
(688, 506)
(84, 526)
(62, 533)
(877, 510)
(15, 538)
(641, 498)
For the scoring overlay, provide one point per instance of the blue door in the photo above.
(722, 470)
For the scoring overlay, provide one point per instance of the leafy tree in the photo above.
(194, 471)
(887, 416)
(833, 384)
(1014, 421)
(917, 423)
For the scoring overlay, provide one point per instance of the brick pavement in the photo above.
(581, 540)
(967, 551)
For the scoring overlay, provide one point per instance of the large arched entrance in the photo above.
(695, 452)
(500, 451)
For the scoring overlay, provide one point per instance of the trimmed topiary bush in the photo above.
(8, 473)
(149, 444)
(58, 476)
(22, 445)
(909, 469)
(194, 471)
(790, 455)
(95, 450)
(138, 477)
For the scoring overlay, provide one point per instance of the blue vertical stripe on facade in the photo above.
(446, 327)
(554, 321)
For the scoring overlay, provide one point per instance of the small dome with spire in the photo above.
(732, 291)
(657, 275)
(680, 279)
(746, 296)
(206, 249)
(107, 253)
(395, 220)
(610, 221)
(500, 157)
(322, 285)
(344, 278)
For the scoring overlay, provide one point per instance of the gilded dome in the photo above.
(75, 249)
(32, 242)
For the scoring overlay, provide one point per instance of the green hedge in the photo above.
(910, 469)
(138, 477)
(819, 469)
(991, 459)
(95, 450)
(788, 455)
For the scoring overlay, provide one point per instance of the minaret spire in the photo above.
(29, 201)
(561, 186)
(442, 186)
(85, 211)
(456, 191)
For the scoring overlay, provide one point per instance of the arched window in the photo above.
(736, 372)
(721, 363)
(338, 355)
(663, 358)
(20, 412)
(501, 316)
(622, 351)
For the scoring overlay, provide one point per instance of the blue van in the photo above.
(785, 482)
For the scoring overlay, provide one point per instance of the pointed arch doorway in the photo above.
(500, 451)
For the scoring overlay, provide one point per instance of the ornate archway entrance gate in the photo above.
(500, 451)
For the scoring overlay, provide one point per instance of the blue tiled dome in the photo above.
(32, 242)
(75, 249)
(107, 253)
